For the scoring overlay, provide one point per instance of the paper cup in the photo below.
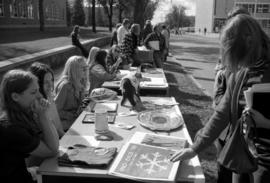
(101, 121)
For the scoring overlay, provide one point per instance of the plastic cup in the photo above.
(101, 121)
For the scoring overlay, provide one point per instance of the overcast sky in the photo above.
(164, 8)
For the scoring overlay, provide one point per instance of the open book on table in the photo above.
(146, 156)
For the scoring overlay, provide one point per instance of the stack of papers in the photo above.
(154, 82)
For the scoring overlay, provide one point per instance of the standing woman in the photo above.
(244, 48)
(70, 90)
(24, 126)
(98, 71)
(46, 86)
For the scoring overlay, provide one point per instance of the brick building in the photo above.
(212, 13)
(25, 13)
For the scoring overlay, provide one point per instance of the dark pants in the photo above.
(158, 59)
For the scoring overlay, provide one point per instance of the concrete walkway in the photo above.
(198, 54)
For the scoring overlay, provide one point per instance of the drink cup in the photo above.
(101, 121)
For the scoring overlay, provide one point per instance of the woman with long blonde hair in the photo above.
(70, 90)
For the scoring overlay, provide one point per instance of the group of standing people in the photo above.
(128, 40)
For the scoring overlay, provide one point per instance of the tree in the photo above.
(68, 14)
(144, 9)
(124, 6)
(108, 8)
(41, 15)
(177, 17)
(149, 10)
(78, 16)
(94, 16)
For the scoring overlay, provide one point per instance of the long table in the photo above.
(157, 85)
(49, 171)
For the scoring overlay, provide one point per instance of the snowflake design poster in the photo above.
(144, 162)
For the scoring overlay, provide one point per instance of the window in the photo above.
(265, 24)
(21, 8)
(52, 12)
(1, 8)
(263, 8)
(249, 7)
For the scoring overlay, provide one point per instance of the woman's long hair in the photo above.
(73, 74)
(92, 55)
(40, 70)
(16, 81)
(243, 43)
(101, 58)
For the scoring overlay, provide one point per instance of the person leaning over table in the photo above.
(113, 60)
(24, 126)
(244, 45)
(98, 71)
(71, 89)
(158, 53)
(129, 46)
(46, 87)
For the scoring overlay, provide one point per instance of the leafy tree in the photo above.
(144, 9)
(124, 6)
(108, 8)
(41, 15)
(78, 16)
(149, 10)
(139, 10)
(177, 17)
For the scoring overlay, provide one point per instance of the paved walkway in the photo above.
(18, 42)
(198, 54)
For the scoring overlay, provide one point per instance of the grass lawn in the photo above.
(196, 109)
(18, 42)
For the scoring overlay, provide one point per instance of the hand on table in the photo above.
(184, 154)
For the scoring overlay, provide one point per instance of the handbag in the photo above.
(239, 154)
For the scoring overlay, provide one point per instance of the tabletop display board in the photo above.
(84, 134)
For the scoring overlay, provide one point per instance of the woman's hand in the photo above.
(260, 120)
(184, 154)
(40, 106)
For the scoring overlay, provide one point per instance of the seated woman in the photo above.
(113, 60)
(98, 72)
(76, 42)
(130, 91)
(46, 86)
(24, 125)
(70, 90)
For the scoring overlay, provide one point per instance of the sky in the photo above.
(164, 8)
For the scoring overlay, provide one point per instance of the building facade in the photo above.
(259, 9)
(204, 15)
(25, 13)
